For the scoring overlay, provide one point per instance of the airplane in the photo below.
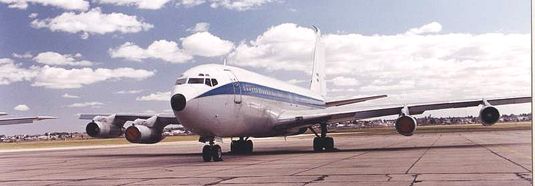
(215, 101)
(22, 120)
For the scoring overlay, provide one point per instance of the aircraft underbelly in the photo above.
(221, 116)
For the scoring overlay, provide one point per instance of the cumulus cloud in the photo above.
(432, 27)
(80, 5)
(11, 72)
(21, 108)
(446, 65)
(239, 5)
(60, 78)
(199, 27)
(93, 104)
(141, 4)
(161, 49)
(200, 44)
(54, 58)
(129, 91)
(157, 96)
(26, 55)
(345, 81)
(93, 22)
(33, 15)
(66, 95)
(206, 44)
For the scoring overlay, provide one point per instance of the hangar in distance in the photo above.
(224, 101)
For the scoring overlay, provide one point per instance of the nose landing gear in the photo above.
(211, 151)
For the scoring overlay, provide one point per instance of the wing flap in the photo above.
(23, 120)
(351, 101)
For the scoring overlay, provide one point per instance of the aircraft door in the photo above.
(235, 86)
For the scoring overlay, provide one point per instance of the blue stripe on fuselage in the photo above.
(251, 89)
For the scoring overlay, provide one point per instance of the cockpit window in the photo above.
(196, 81)
(180, 81)
(208, 82)
(214, 82)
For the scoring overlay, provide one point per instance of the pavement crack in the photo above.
(389, 177)
(421, 156)
(318, 179)
(414, 180)
(497, 154)
(524, 176)
(219, 181)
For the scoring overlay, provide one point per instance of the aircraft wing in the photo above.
(121, 119)
(351, 101)
(302, 118)
(23, 120)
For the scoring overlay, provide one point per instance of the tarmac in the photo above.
(467, 158)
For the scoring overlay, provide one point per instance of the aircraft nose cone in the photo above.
(178, 102)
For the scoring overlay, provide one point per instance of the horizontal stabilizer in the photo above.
(351, 101)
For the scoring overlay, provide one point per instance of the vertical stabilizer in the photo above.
(317, 83)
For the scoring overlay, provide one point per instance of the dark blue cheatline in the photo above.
(251, 89)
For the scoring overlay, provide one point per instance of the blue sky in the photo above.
(50, 52)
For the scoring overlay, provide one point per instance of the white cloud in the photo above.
(129, 91)
(345, 81)
(141, 4)
(26, 55)
(206, 44)
(200, 44)
(432, 27)
(157, 96)
(21, 108)
(408, 67)
(33, 15)
(199, 27)
(161, 49)
(60, 78)
(93, 22)
(239, 5)
(54, 58)
(66, 95)
(11, 72)
(80, 5)
(93, 104)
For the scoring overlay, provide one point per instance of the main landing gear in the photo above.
(322, 142)
(211, 151)
(241, 146)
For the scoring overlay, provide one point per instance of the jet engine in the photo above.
(143, 131)
(405, 125)
(489, 115)
(102, 127)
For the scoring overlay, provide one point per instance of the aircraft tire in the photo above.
(318, 144)
(328, 143)
(248, 146)
(207, 153)
(216, 154)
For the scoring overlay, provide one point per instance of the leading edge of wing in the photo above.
(292, 119)
(23, 120)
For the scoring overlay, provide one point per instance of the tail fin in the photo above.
(317, 83)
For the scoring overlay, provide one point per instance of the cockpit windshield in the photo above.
(196, 81)
(180, 81)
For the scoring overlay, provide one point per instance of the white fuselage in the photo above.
(242, 103)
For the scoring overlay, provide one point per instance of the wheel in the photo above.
(207, 153)
(318, 144)
(233, 147)
(328, 143)
(248, 147)
(216, 153)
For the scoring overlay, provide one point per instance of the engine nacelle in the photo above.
(406, 125)
(98, 129)
(143, 134)
(489, 115)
